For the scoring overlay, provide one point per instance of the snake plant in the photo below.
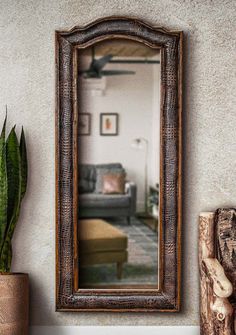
(13, 182)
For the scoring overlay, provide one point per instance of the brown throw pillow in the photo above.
(114, 183)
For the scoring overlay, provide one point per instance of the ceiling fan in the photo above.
(95, 69)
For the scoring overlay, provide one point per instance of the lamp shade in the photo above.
(139, 143)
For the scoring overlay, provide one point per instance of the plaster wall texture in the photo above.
(27, 85)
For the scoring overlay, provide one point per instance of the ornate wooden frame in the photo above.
(68, 296)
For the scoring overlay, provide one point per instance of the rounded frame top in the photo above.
(118, 27)
(117, 19)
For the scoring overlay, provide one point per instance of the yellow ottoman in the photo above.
(101, 243)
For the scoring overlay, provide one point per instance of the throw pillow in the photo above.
(101, 171)
(114, 183)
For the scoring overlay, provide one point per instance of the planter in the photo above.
(14, 304)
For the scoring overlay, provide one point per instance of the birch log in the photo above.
(216, 313)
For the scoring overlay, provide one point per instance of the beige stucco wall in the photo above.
(27, 86)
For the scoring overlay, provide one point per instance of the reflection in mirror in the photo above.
(119, 149)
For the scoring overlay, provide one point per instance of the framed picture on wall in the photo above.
(109, 124)
(84, 124)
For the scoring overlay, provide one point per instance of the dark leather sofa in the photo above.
(93, 204)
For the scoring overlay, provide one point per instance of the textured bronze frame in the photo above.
(68, 295)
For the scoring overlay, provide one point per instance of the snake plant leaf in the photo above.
(14, 190)
(24, 166)
(4, 128)
(3, 186)
(9, 257)
(6, 256)
(14, 174)
(13, 183)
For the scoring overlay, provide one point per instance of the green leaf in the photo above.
(6, 257)
(24, 166)
(9, 257)
(13, 183)
(13, 174)
(14, 191)
(3, 186)
(4, 128)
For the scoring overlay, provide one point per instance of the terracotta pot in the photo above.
(14, 304)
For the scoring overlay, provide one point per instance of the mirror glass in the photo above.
(118, 106)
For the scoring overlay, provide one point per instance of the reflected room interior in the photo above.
(119, 162)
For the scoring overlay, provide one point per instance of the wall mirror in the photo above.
(118, 167)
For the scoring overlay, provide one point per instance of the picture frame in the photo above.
(84, 124)
(69, 296)
(109, 124)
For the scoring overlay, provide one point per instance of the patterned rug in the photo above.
(141, 268)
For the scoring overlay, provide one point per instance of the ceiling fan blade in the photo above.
(93, 60)
(98, 64)
(93, 54)
(115, 72)
(88, 74)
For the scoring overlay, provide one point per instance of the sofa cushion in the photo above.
(93, 200)
(87, 178)
(103, 257)
(103, 169)
(98, 235)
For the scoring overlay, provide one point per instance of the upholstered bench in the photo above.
(101, 243)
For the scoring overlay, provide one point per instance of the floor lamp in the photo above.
(141, 143)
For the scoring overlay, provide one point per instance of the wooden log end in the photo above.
(207, 215)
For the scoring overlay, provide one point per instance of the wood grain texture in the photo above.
(226, 243)
(216, 312)
(167, 297)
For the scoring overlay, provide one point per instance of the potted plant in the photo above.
(14, 287)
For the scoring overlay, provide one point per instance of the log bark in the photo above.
(216, 313)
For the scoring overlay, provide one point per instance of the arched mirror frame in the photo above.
(68, 295)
